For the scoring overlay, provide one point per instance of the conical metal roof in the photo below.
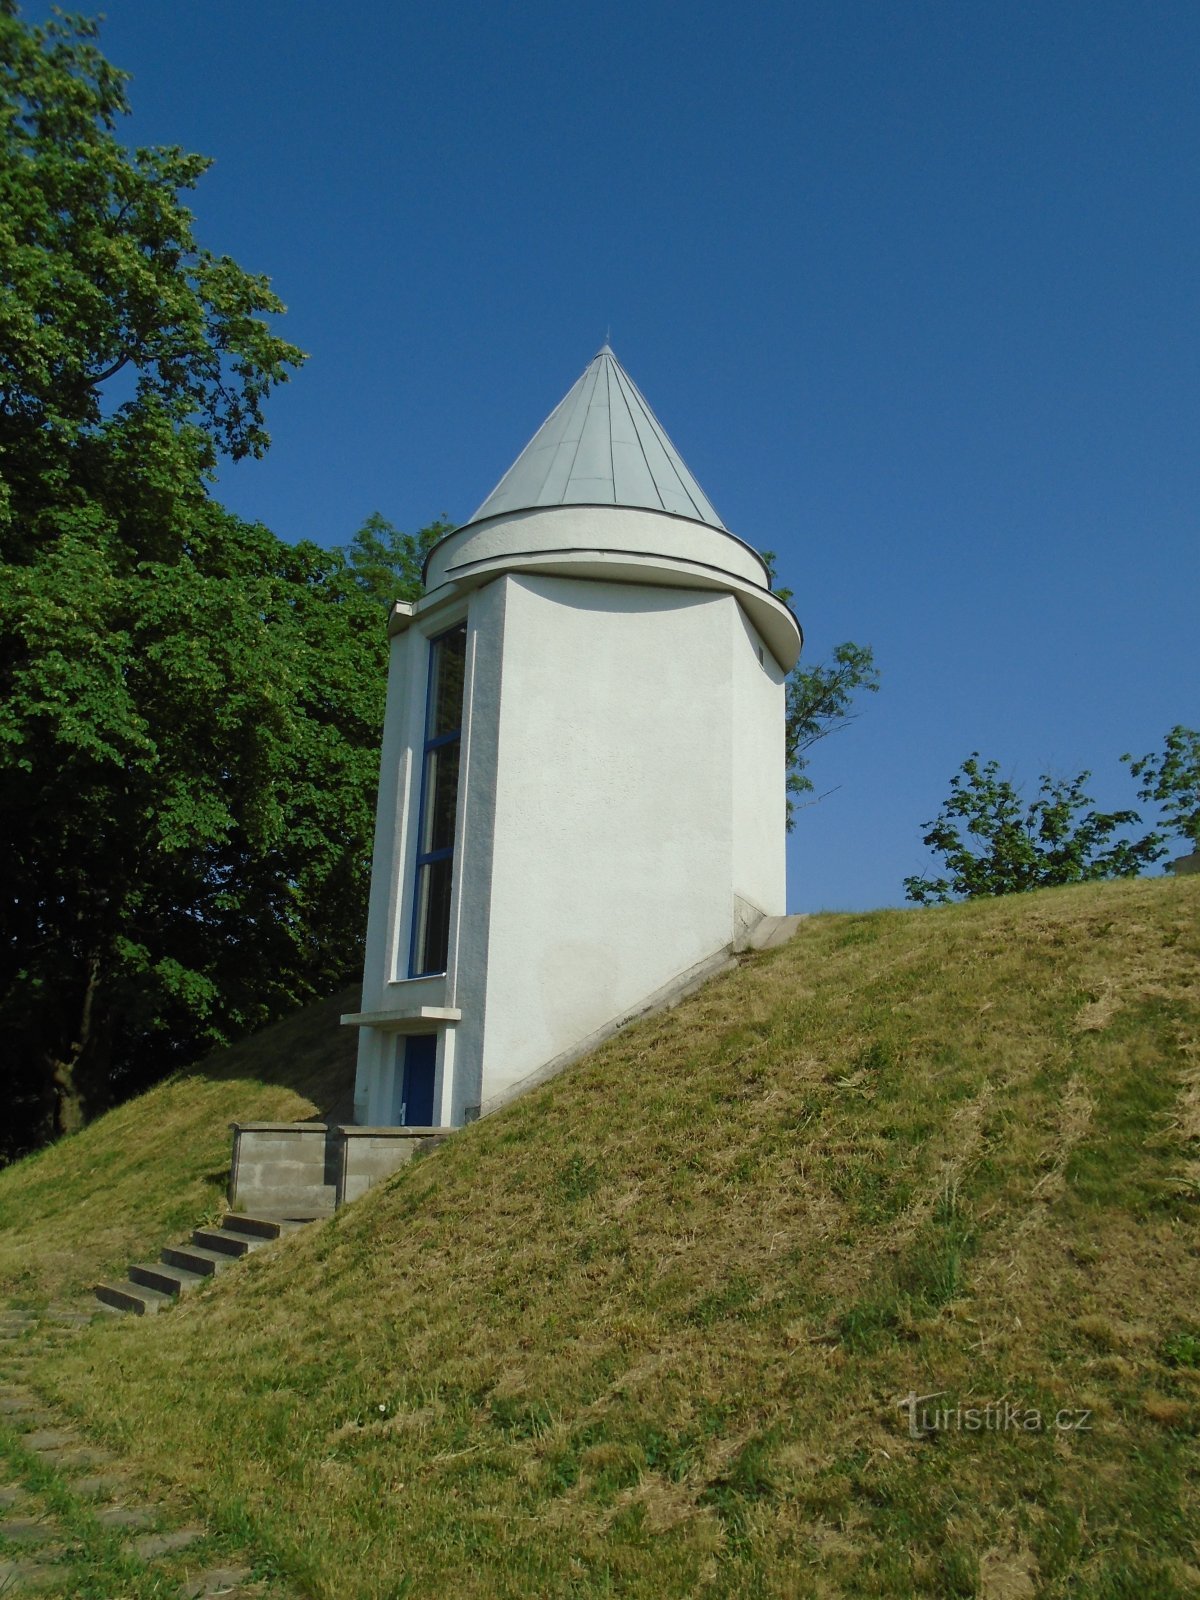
(601, 445)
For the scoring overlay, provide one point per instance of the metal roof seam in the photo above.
(612, 464)
(582, 428)
(675, 459)
(637, 432)
(563, 464)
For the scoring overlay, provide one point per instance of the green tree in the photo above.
(820, 700)
(994, 843)
(1171, 779)
(102, 279)
(188, 757)
(189, 708)
(388, 565)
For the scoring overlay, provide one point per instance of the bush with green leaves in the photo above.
(1171, 779)
(993, 842)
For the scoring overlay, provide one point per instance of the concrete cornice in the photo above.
(614, 544)
(592, 523)
(775, 622)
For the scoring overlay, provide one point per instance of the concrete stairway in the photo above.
(154, 1284)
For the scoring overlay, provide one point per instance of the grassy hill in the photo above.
(154, 1168)
(648, 1331)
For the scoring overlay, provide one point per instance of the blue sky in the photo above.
(914, 287)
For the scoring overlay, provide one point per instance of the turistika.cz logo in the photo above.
(997, 1416)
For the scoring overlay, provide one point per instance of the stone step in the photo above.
(226, 1241)
(257, 1227)
(167, 1280)
(197, 1258)
(139, 1299)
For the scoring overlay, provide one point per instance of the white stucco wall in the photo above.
(392, 810)
(472, 924)
(386, 985)
(612, 855)
(759, 822)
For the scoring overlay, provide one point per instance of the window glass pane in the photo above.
(433, 916)
(449, 658)
(439, 801)
(441, 797)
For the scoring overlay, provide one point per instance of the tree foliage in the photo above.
(188, 753)
(188, 761)
(1171, 779)
(388, 565)
(993, 842)
(820, 700)
(102, 277)
(189, 707)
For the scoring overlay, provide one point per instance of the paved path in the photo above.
(72, 1519)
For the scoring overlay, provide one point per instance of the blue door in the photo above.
(416, 1081)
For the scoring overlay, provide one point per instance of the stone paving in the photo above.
(46, 1552)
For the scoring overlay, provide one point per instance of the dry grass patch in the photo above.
(648, 1330)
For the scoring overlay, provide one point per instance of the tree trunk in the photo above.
(68, 1072)
(68, 1100)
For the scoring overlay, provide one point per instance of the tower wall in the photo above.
(757, 769)
(620, 816)
(613, 848)
(633, 529)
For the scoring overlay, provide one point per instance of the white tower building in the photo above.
(581, 803)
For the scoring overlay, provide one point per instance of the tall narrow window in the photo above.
(439, 801)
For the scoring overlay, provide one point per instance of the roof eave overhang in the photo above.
(776, 623)
(587, 505)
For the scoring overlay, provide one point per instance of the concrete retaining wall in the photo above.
(308, 1168)
(280, 1167)
(365, 1156)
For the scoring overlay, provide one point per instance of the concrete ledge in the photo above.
(272, 1158)
(352, 1130)
(316, 1166)
(771, 932)
(298, 1128)
(402, 1021)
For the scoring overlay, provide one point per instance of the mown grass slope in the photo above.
(157, 1166)
(647, 1331)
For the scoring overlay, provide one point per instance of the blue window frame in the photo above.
(439, 803)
